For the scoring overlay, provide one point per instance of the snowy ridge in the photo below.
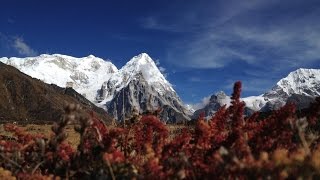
(255, 102)
(302, 81)
(84, 74)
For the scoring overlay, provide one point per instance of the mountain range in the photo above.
(139, 86)
(300, 87)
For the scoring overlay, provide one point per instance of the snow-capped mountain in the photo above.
(304, 82)
(141, 64)
(85, 75)
(300, 87)
(140, 82)
(216, 101)
(139, 86)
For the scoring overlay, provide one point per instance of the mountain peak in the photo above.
(143, 64)
(90, 56)
(143, 55)
(301, 81)
(140, 66)
(142, 58)
(304, 72)
(145, 88)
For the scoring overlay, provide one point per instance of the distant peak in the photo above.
(305, 70)
(218, 95)
(221, 93)
(91, 56)
(302, 73)
(44, 55)
(144, 55)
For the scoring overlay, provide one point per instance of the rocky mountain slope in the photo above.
(25, 99)
(303, 82)
(140, 86)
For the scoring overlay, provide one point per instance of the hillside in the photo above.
(25, 99)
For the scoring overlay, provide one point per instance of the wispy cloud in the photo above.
(154, 24)
(206, 52)
(251, 85)
(195, 79)
(201, 80)
(15, 45)
(220, 34)
(175, 25)
(194, 17)
(161, 68)
(202, 104)
(217, 48)
(22, 47)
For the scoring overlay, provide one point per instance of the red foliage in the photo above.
(228, 146)
(150, 131)
(65, 151)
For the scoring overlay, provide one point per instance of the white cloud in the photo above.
(154, 24)
(157, 61)
(195, 79)
(252, 85)
(241, 32)
(290, 41)
(201, 104)
(218, 48)
(17, 44)
(162, 69)
(22, 47)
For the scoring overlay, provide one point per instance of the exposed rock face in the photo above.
(301, 101)
(216, 101)
(25, 99)
(139, 96)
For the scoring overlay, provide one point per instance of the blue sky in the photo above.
(204, 45)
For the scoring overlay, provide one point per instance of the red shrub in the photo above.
(228, 146)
